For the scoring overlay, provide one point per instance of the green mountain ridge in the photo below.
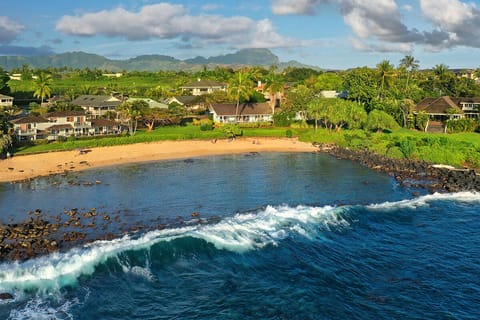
(154, 62)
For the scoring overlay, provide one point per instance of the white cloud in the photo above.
(9, 29)
(458, 21)
(169, 21)
(380, 22)
(302, 7)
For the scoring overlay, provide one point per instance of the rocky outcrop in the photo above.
(410, 172)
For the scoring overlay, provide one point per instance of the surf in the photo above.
(240, 233)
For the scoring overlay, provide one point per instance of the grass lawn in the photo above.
(460, 150)
(159, 134)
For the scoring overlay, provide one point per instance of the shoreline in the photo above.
(27, 167)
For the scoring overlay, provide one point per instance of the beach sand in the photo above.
(26, 167)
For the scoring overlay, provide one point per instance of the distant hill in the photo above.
(81, 60)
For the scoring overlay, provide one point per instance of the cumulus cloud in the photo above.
(456, 22)
(9, 29)
(170, 21)
(377, 24)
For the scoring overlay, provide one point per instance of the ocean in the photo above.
(252, 236)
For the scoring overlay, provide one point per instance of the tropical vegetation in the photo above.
(377, 113)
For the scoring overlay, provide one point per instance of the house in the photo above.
(30, 127)
(97, 106)
(104, 127)
(444, 108)
(247, 112)
(189, 102)
(200, 87)
(62, 124)
(67, 123)
(6, 101)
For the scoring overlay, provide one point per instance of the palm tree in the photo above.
(386, 71)
(275, 85)
(42, 86)
(240, 87)
(410, 64)
(441, 76)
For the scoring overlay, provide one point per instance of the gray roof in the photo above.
(56, 114)
(30, 119)
(59, 127)
(95, 101)
(244, 109)
(186, 99)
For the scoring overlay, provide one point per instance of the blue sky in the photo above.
(331, 34)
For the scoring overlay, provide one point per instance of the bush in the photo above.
(380, 120)
(289, 133)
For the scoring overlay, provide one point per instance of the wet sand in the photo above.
(26, 167)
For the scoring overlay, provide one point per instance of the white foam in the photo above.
(239, 233)
(422, 201)
(37, 308)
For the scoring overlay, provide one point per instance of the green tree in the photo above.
(329, 81)
(378, 120)
(297, 99)
(275, 85)
(361, 85)
(410, 64)
(240, 87)
(385, 72)
(132, 112)
(314, 110)
(4, 78)
(42, 84)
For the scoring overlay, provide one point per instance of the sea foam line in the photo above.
(422, 201)
(239, 233)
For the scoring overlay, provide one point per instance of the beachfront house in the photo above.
(246, 113)
(200, 87)
(104, 127)
(62, 124)
(444, 108)
(30, 127)
(97, 106)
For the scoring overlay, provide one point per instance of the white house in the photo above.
(200, 87)
(5, 101)
(247, 112)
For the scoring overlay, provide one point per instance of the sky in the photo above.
(330, 34)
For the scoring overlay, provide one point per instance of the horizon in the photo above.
(328, 34)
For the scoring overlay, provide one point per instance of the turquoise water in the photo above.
(282, 236)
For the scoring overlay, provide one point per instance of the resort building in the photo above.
(62, 124)
(246, 113)
(97, 106)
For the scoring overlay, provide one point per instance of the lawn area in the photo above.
(459, 150)
(159, 134)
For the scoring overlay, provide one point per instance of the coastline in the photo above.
(26, 167)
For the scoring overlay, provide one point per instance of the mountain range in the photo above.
(81, 60)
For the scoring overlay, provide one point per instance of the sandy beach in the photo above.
(26, 167)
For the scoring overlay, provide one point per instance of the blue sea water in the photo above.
(280, 236)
